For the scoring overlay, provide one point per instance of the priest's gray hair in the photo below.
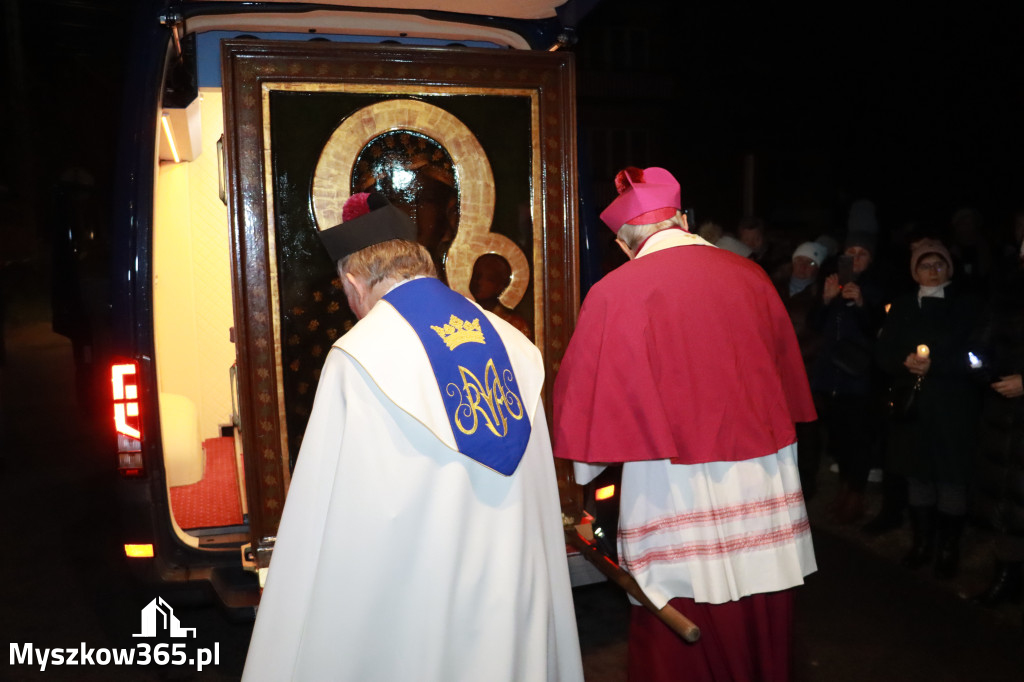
(634, 235)
(396, 259)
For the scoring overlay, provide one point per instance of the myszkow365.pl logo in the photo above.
(158, 621)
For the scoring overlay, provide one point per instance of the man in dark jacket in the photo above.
(1000, 475)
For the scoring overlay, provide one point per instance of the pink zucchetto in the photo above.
(646, 196)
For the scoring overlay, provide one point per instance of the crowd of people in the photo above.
(914, 348)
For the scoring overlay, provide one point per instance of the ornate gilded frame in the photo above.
(251, 70)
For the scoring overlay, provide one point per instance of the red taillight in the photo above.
(605, 493)
(127, 422)
(126, 400)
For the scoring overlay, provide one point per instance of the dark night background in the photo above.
(918, 111)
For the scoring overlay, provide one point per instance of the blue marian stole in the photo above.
(473, 372)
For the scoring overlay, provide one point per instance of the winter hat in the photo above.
(645, 197)
(861, 217)
(730, 243)
(865, 240)
(367, 219)
(926, 247)
(813, 250)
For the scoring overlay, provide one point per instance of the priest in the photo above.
(685, 368)
(421, 538)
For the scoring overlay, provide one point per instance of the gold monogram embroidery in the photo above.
(491, 401)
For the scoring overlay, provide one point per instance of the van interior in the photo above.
(192, 320)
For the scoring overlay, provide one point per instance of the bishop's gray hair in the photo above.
(634, 235)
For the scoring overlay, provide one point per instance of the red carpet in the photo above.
(213, 501)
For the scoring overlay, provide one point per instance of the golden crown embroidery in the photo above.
(458, 332)
(490, 401)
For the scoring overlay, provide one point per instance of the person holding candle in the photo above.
(923, 347)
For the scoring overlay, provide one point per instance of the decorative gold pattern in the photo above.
(275, 299)
(333, 176)
(495, 395)
(458, 332)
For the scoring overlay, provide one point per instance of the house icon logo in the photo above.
(158, 619)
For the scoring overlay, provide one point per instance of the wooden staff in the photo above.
(679, 623)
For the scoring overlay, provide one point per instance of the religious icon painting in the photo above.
(477, 146)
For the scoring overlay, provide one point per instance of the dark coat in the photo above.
(937, 444)
(802, 308)
(999, 495)
(847, 334)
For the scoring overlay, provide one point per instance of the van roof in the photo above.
(510, 9)
(521, 24)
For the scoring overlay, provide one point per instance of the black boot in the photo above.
(894, 501)
(948, 531)
(922, 525)
(885, 521)
(841, 499)
(1005, 586)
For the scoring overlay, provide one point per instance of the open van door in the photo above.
(478, 146)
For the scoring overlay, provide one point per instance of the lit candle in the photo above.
(922, 351)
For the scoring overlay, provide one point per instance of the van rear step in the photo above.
(236, 590)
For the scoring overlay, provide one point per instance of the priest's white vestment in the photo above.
(397, 557)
